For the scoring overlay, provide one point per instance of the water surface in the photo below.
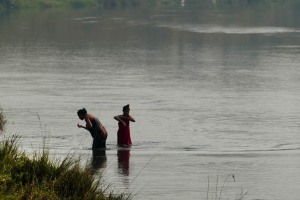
(214, 88)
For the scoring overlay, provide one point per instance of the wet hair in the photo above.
(126, 107)
(82, 111)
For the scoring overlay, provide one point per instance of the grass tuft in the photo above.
(42, 178)
(218, 191)
(2, 121)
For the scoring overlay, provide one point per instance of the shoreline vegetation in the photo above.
(2, 121)
(39, 177)
(11, 5)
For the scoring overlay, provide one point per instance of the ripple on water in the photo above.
(229, 29)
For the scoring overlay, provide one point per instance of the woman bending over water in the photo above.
(94, 126)
(124, 138)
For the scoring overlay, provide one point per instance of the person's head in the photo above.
(126, 109)
(81, 113)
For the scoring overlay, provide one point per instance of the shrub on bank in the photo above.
(42, 178)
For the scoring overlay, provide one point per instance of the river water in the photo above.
(214, 87)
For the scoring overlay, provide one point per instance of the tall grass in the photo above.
(42, 178)
(216, 192)
(2, 121)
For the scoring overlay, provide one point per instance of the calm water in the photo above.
(214, 88)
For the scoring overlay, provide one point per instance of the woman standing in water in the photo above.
(94, 126)
(124, 138)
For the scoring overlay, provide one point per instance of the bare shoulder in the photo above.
(90, 116)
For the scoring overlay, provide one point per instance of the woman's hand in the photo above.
(131, 118)
(119, 119)
(79, 126)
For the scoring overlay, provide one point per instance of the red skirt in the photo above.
(124, 135)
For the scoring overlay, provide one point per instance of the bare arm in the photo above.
(88, 122)
(131, 118)
(119, 119)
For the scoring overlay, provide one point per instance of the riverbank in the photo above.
(39, 177)
(46, 4)
(112, 4)
(23, 4)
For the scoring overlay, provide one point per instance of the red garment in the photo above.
(124, 134)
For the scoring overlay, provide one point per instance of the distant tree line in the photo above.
(135, 3)
(16, 4)
(115, 4)
(7, 4)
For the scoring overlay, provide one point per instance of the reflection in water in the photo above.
(123, 161)
(99, 160)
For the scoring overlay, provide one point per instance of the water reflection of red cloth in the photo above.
(124, 134)
(123, 161)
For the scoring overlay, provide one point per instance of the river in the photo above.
(214, 87)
